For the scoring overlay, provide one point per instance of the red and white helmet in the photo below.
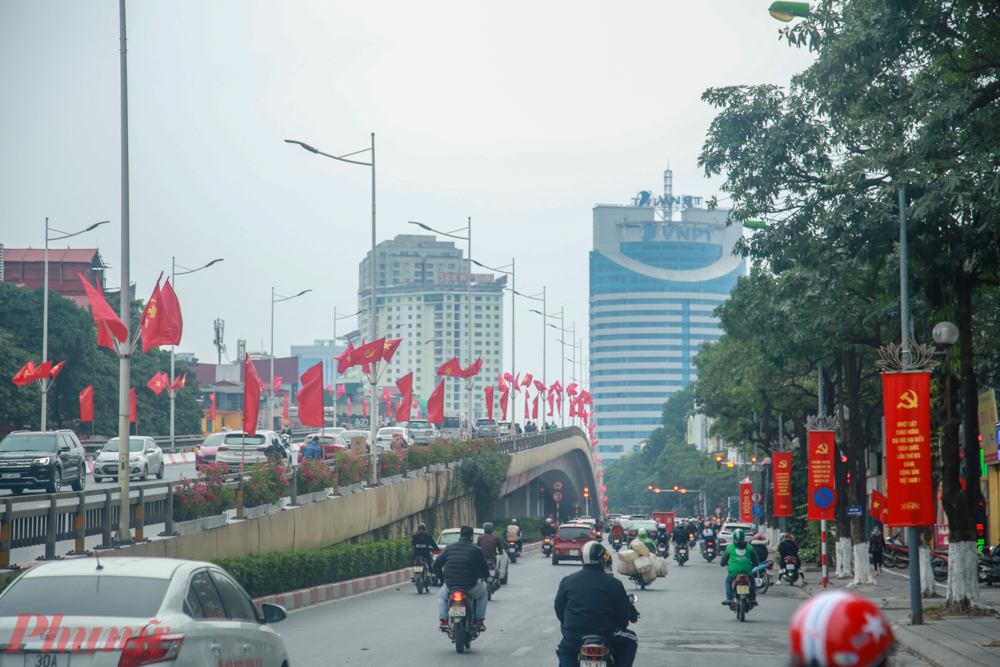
(839, 629)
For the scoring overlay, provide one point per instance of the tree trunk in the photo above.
(928, 589)
(864, 574)
(843, 558)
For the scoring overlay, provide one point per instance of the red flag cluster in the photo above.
(30, 373)
(452, 368)
(158, 382)
(109, 326)
(161, 322)
(367, 354)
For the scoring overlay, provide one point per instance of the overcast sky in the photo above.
(522, 115)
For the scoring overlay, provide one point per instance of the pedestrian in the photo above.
(876, 548)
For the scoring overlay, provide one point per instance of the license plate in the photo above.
(595, 663)
(46, 660)
(743, 590)
(12, 475)
(456, 611)
(574, 552)
(418, 569)
(791, 567)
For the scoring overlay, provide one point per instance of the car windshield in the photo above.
(29, 442)
(648, 526)
(249, 440)
(134, 445)
(574, 533)
(347, 435)
(132, 597)
(213, 440)
(389, 432)
(483, 422)
(447, 538)
(413, 425)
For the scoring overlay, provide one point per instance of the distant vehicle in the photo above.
(354, 433)
(239, 449)
(487, 428)
(450, 536)
(144, 456)
(42, 460)
(451, 426)
(387, 434)
(726, 533)
(420, 432)
(570, 538)
(205, 454)
(332, 443)
(211, 618)
(504, 428)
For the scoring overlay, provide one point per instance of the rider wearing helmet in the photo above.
(548, 530)
(491, 545)
(514, 533)
(681, 534)
(461, 565)
(617, 530)
(589, 602)
(759, 545)
(662, 536)
(644, 538)
(422, 544)
(840, 628)
(787, 547)
(739, 557)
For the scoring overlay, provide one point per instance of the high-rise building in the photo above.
(422, 298)
(654, 282)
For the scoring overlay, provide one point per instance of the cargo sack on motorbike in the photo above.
(636, 545)
(627, 567)
(648, 576)
(643, 564)
(659, 566)
(627, 555)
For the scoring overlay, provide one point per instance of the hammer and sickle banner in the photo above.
(821, 446)
(782, 470)
(906, 401)
(746, 502)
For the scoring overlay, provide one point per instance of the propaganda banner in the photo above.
(906, 402)
(821, 449)
(746, 502)
(988, 425)
(782, 473)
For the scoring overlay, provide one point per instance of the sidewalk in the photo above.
(949, 642)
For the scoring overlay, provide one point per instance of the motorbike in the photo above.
(709, 552)
(939, 565)
(600, 536)
(421, 574)
(990, 574)
(616, 542)
(546, 547)
(762, 578)
(462, 629)
(492, 582)
(741, 596)
(639, 582)
(896, 553)
(681, 554)
(789, 571)
(661, 549)
(595, 651)
(513, 551)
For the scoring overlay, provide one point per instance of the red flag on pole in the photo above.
(211, 407)
(450, 368)
(539, 386)
(131, 405)
(489, 403)
(87, 404)
(278, 380)
(251, 397)
(340, 390)
(348, 406)
(56, 369)
(526, 415)
(909, 487)
(551, 398)
(43, 371)
(746, 502)
(156, 383)
(405, 386)
(310, 397)
(171, 323)
(390, 349)
(364, 408)
(571, 390)
(503, 402)
(781, 466)
(526, 382)
(23, 376)
(284, 407)
(435, 405)
(534, 408)
(104, 317)
(149, 321)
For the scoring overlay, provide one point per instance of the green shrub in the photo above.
(207, 496)
(312, 476)
(279, 572)
(531, 529)
(485, 473)
(265, 485)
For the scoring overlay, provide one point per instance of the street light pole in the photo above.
(270, 392)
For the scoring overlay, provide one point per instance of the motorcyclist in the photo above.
(618, 531)
(839, 628)
(548, 530)
(739, 558)
(662, 537)
(681, 535)
(644, 538)
(707, 536)
(312, 449)
(514, 533)
(462, 565)
(491, 545)
(422, 544)
(589, 602)
(788, 547)
(759, 545)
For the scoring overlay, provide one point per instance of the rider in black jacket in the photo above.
(422, 544)
(462, 565)
(590, 602)
(548, 530)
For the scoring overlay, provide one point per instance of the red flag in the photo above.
(585, 397)
(171, 323)
(559, 402)
(348, 405)
(385, 395)
(310, 397)
(104, 317)
(328, 389)
(472, 370)
(131, 405)
(507, 377)
(364, 408)
(489, 403)
(149, 322)
(340, 390)
(534, 408)
(572, 408)
(571, 390)
(551, 399)
(56, 370)
(23, 376)
(503, 402)
(344, 359)
(251, 397)
(284, 407)
(211, 407)
(156, 383)
(879, 507)
(405, 386)
(450, 368)
(87, 404)
(390, 349)
(782, 472)
(501, 383)
(43, 371)
(368, 353)
(435, 405)
(277, 382)
(909, 487)
(526, 397)
(527, 380)
(539, 386)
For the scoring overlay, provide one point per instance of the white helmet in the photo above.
(662, 526)
(593, 553)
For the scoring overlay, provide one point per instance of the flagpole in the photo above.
(45, 329)
(469, 381)
(562, 381)
(173, 349)
(513, 337)
(374, 327)
(270, 393)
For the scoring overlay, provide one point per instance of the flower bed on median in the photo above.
(313, 476)
(279, 572)
(205, 496)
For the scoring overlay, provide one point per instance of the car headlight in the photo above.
(134, 459)
(44, 461)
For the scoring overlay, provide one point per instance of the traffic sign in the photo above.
(758, 510)
(557, 484)
(854, 510)
(557, 496)
(825, 497)
(756, 497)
(718, 511)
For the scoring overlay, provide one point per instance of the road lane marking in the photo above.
(552, 629)
(522, 650)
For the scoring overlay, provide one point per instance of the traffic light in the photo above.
(718, 461)
(730, 464)
(541, 491)
(586, 492)
(650, 487)
(656, 490)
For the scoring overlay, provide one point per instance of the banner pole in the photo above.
(822, 530)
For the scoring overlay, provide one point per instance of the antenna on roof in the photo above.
(97, 556)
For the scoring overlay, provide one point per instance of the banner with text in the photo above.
(906, 401)
(746, 502)
(821, 448)
(782, 468)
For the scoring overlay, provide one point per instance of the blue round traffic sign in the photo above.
(825, 497)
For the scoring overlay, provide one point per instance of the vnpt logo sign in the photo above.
(675, 233)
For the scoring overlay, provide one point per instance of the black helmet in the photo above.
(421, 526)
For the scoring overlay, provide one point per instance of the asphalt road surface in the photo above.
(682, 623)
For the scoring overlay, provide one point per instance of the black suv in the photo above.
(46, 459)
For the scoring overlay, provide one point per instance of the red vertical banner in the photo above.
(782, 472)
(746, 502)
(906, 402)
(821, 449)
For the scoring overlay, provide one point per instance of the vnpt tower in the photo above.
(654, 282)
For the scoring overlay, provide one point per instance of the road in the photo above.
(682, 623)
(172, 472)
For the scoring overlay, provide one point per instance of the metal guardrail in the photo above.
(181, 442)
(50, 518)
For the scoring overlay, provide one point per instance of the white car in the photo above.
(238, 448)
(354, 433)
(726, 532)
(387, 434)
(144, 455)
(450, 536)
(198, 614)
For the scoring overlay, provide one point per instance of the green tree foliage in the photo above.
(484, 471)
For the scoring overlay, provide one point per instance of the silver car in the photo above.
(421, 432)
(191, 613)
(239, 449)
(145, 458)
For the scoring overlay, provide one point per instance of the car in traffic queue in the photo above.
(204, 456)
(420, 432)
(135, 611)
(569, 540)
(238, 448)
(331, 442)
(144, 458)
(450, 536)
(42, 460)
(487, 428)
(355, 433)
(386, 434)
(726, 532)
